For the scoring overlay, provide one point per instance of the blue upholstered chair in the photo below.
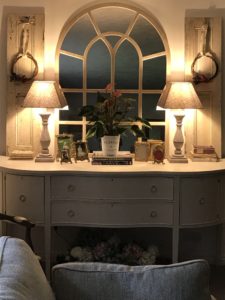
(97, 281)
(21, 277)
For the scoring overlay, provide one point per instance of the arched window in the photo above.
(113, 44)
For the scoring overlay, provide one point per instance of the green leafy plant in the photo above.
(109, 116)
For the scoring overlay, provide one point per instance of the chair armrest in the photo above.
(23, 222)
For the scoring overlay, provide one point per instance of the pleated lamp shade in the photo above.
(45, 94)
(179, 95)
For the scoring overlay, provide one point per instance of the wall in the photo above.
(170, 13)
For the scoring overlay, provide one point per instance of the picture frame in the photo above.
(153, 144)
(81, 151)
(65, 156)
(65, 147)
(157, 151)
(158, 154)
(142, 150)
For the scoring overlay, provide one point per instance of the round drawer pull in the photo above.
(70, 188)
(153, 214)
(70, 213)
(154, 189)
(22, 198)
(202, 201)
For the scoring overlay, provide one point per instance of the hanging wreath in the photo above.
(199, 65)
(199, 76)
(24, 40)
(21, 77)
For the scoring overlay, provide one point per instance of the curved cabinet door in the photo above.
(200, 198)
(25, 197)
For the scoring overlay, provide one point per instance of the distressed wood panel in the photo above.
(22, 126)
(203, 120)
(205, 126)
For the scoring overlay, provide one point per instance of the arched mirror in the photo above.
(113, 44)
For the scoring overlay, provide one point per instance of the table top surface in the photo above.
(85, 166)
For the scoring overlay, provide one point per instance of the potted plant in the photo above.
(109, 119)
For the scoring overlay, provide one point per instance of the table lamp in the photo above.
(44, 94)
(179, 96)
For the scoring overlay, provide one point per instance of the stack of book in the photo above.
(121, 159)
(204, 153)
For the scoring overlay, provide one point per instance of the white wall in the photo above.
(170, 13)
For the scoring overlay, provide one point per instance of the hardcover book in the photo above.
(123, 158)
(204, 157)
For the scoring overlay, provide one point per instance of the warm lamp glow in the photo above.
(177, 96)
(45, 94)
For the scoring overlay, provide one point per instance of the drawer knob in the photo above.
(153, 214)
(22, 198)
(202, 201)
(70, 188)
(154, 189)
(71, 213)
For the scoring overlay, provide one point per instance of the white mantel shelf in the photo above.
(85, 166)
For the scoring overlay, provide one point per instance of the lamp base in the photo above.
(178, 159)
(44, 158)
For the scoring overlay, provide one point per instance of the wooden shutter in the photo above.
(205, 128)
(22, 129)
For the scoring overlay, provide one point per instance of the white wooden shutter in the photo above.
(22, 129)
(205, 128)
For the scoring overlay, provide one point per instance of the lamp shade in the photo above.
(45, 94)
(179, 95)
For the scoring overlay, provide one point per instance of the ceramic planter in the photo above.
(110, 145)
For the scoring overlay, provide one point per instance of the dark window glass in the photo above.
(75, 102)
(127, 142)
(127, 67)
(154, 73)
(98, 66)
(71, 72)
(113, 39)
(155, 133)
(93, 143)
(147, 37)
(149, 103)
(76, 130)
(112, 21)
(134, 111)
(91, 98)
(79, 36)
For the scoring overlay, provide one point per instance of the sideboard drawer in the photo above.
(117, 214)
(199, 201)
(25, 197)
(99, 187)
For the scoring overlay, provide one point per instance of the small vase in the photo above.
(110, 145)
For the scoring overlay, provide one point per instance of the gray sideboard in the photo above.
(174, 196)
